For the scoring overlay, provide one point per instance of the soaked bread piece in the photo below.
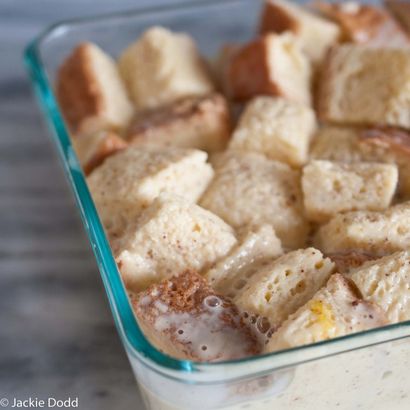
(315, 33)
(90, 92)
(172, 235)
(93, 149)
(162, 67)
(386, 281)
(390, 145)
(335, 310)
(363, 85)
(365, 24)
(375, 144)
(249, 189)
(377, 233)
(192, 122)
(128, 182)
(258, 247)
(269, 65)
(281, 287)
(184, 318)
(278, 128)
(331, 187)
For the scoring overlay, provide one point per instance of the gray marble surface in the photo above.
(57, 336)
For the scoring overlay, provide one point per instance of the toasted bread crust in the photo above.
(111, 144)
(274, 65)
(345, 261)
(401, 10)
(252, 58)
(182, 109)
(91, 93)
(205, 115)
(363, 23)
(78, 92)
(274, 16)
(315, 34)
(396, 139)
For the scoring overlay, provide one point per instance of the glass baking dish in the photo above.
(366, 370)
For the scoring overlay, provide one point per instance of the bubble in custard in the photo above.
(212, 301)
(270, 333)
(263, 325)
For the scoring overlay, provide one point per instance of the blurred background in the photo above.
(57, 337)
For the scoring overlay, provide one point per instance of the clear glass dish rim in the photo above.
(134, 340)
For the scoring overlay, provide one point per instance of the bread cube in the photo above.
(392, 145)
(192, 122)
(270, 65)
(331, 187)
(184, 318)
(362, 85)
(93, 149)
(346, 261)
(356, 144)
(386, 281)
(221, 63)
(377, 233)
(161, 67)
(90, 92)
(278, 128)
(335, 310)
(249, 189)
(129, 181)
(280, 288)
(337, 143)
(365, 24)
(172, 235)
(315, 33)
(258, 247)
(401, 10)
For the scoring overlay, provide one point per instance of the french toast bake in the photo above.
(260, 201)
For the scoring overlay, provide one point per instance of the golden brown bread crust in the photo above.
(111, 144)
(275, 18)
(361, 23)
(202, 114)
(249, 73)
(188, 296)
(401, 10)
(395, 139)
(221, 65)
(78, 93)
